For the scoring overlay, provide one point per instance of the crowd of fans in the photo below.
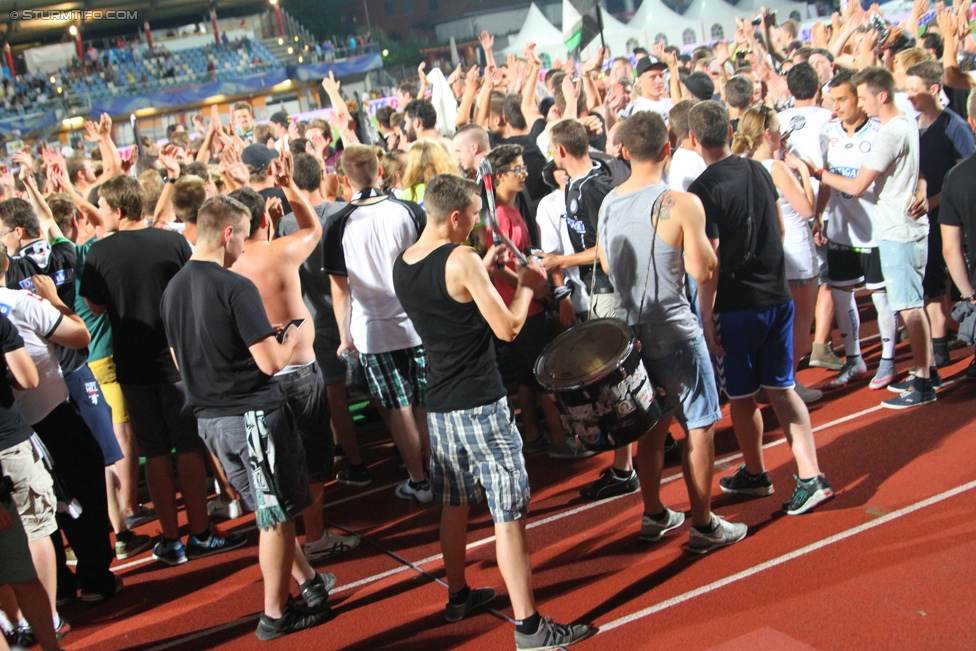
(765, 180)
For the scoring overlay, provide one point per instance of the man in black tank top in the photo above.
(476, 450)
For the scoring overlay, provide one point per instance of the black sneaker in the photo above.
(610, 485)
(293, 618)
(355, 476)
(743, 483)
(315, 591)
(909, 383)
(971, 370)
(552, 636)
(910, 398)
(477, 597)
(808, 495)
(216, 543)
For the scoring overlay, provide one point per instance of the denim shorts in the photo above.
(903, 266)
(683, 370)
(758, 347)
(474, 452)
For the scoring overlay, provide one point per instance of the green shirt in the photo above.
(99, 326)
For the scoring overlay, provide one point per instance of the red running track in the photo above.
(887, 564)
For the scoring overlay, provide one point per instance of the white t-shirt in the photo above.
(374, 236)
(554, 238)
(895, 154)
(36, 320)
(686, 166)
(661, 106)
(806, 124)
(849, 219)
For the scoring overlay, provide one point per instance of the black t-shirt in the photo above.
(267, 193)
(127, 274)
(958, 206)
(761, 282)
(584, 197)
(316, 286)
(945, 142)
(56, 260)
(533, 158)
(212, 316)
(13, 428)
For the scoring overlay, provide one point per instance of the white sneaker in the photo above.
(653, 531)
(221, 508)
(421, 493)
(329, 545)
(724, 534)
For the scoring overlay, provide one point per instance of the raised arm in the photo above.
(954, 76)
(59, 178)
(165, 213)
(298, 245)
(487, 43)
(101, 132)
(49, 228)
(467, 99)
(530, 107)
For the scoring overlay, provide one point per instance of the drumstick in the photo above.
(484, 172)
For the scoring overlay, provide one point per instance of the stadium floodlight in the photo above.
(273, 2)
(291, 50)
(73, 30)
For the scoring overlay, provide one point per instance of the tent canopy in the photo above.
(537, 29)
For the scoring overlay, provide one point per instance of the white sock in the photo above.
(887, 324)
(848, 319)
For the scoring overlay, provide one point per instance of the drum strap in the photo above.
(655, 213)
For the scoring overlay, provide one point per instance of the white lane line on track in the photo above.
(785, 558)
(532, 525)
(478, 543)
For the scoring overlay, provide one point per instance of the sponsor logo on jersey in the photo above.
(797, 123)
(576, 224)
(848, 173)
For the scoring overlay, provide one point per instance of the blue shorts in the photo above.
(478, 451)
(683, 370)
(903, 266)
(758, 350)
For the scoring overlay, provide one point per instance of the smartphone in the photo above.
(298, 323)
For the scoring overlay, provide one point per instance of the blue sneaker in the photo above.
(214, 544)
(170, 553)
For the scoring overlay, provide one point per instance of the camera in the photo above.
(758, 20)
(886, 41)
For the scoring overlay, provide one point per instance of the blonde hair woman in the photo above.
(760, 138)
(393, 164)
(425, 160)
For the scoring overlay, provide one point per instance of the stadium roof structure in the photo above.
(94, 20)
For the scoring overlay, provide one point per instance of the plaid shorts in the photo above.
(398, 378)
(478, 451)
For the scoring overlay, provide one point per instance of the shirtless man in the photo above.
(273, 268)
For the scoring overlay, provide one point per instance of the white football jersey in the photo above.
(849, 218)
(805, 125)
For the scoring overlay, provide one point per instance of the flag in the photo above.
(580, 25)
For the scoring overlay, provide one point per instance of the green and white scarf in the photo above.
(261, 458)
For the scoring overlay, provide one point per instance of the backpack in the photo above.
(739, 250)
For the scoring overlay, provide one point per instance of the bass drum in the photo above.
(604, 394)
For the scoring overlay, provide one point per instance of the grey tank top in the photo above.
(629, 241)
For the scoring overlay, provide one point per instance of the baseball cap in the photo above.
(649, 62)
(258, 156)
(700, 85)
(281, 118)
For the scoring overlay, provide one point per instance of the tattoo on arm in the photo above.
(665, 213)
